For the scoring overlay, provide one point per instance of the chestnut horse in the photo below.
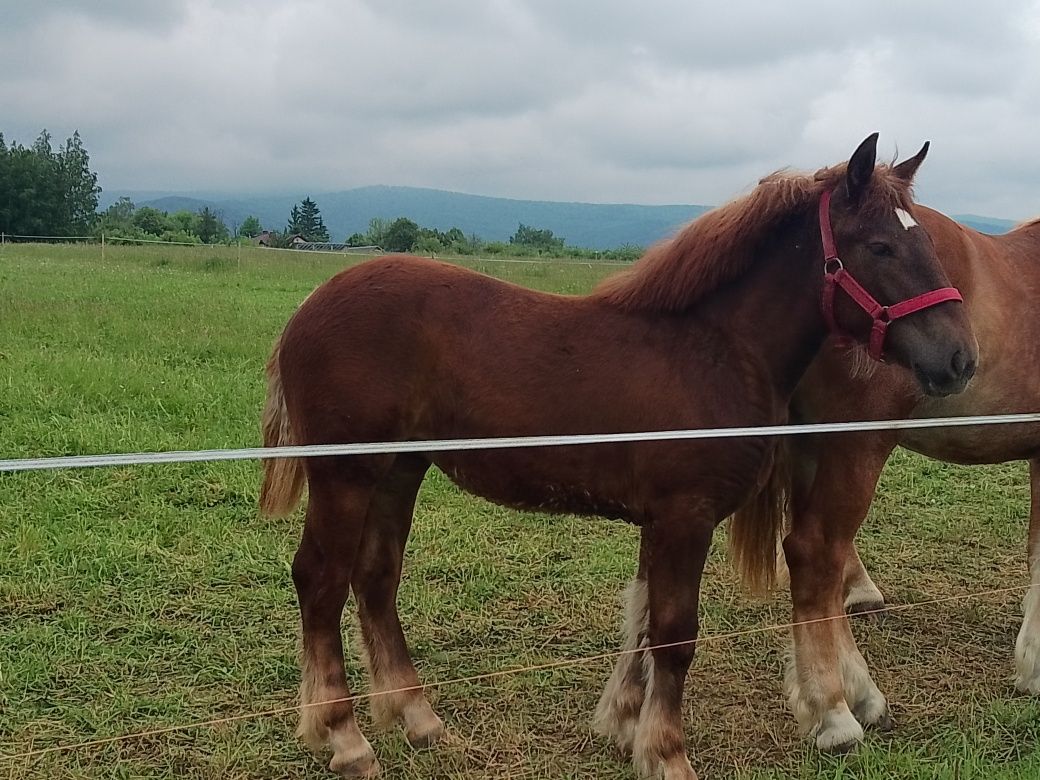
(835, 475)
(712, 328)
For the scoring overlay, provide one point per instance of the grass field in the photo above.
(138, 598)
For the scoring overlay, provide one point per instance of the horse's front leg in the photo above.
(1027, 647)
(828, 684)
(679, 540)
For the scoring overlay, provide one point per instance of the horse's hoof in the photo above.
(839, 733)
(678, 768)
(1028, 684)
(425, 738)
(361, 766)
(842, 748)
(874, 714)
(884, 723)
(871, 610)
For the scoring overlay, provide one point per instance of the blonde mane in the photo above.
(721, 244)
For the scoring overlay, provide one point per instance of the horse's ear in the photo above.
(861, 167)
(906, 169)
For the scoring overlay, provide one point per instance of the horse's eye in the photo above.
(880, 249)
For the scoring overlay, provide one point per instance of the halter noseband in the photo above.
(835, 275)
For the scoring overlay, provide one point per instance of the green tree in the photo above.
(305, 219)
(47, 192)
(17, 190)
(79, 185)
(209, 227)
(118, 219)
(250, 227)
(377, 230)
(184, 221)
(401, 236)
(528, 236)
(151, 221)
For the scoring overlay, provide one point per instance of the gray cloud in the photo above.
(664, 101)
(19, 15)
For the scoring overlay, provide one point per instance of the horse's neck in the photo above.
(773, 310)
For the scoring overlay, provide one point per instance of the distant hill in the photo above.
(589, 225)
(985, 224)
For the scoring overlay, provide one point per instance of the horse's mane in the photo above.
(721, 244)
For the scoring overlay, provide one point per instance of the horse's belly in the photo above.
(978, 444)
(544, 480)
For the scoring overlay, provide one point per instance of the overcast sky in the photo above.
(657, 101)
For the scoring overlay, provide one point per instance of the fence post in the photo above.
(102, 247)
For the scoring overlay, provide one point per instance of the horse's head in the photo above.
(884, 284)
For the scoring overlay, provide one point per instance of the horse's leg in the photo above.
(617, 714)
(375, 581)
(336, 509)
(1027, 647)
(679, 542)
(861, 594)
(827, 680)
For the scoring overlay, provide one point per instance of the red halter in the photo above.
(835, 275)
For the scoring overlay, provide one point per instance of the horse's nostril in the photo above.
(962, 366)
(969, 369)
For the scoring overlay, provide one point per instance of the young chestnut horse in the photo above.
(835, 475)
(713, 328)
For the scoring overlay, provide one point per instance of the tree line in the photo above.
(48, 192)
(405, 235)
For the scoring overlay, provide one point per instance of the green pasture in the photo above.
(138, 598)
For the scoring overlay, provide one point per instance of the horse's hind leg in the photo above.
(861, 594)
(679, 541)
(617, 714)
(1027, 647)
(375, 581)
(340, 492)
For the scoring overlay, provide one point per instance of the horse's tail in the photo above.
(756, 527)
(283, 477)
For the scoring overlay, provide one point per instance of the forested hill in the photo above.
(589, 225)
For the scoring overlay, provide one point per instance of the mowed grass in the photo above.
(134, 599)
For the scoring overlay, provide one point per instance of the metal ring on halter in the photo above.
(828, 268)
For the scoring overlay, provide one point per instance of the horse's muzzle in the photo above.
(948, 379)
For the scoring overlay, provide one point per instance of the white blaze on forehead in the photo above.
(905, 219)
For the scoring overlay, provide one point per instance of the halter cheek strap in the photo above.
(835, 276)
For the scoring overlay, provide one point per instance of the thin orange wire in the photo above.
(500, 673)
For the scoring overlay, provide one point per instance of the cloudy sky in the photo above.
(658, 101)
